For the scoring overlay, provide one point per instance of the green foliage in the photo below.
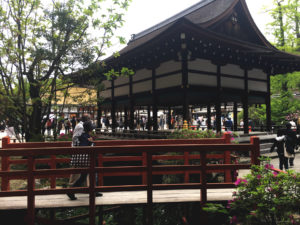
(123, 72)
(283, 106)
(217, 213)
(192, 134)
(286, 32)
(43, 41)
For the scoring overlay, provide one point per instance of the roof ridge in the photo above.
(177, 16)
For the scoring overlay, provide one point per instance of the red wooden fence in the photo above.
(146, 152)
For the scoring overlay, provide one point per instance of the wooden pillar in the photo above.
(149, 118)
(235, 117)
(131, 115)
(154, 100)
(113, 106)
(184, 85)
(131, 109)
(99, 110)
(245, 103)
(208, 117)
(169, 118)
(125, 118)
(268, 105)
(218, 101)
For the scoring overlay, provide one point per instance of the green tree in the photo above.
(43, 42)
(286, 33)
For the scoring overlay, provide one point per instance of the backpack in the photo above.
(49, 123)
(290, 144)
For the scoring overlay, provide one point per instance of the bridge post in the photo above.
(227, 157)
(100, 164)
(255, 153)
(30, 189)
(144, 163)
(149, 217)
(5, 164)
(186, 163)
(5, 141)
(203, 178)
(92, 201)
(53, 167)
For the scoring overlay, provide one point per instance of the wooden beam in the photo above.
(246, 102)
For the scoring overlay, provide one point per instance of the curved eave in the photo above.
(229, 11)
(253, 24)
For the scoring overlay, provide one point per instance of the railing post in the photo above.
(5, 142)
(144, 163)
(255, 153)
(203, 178)
(227, 157)
(149, 217)
(53, 167)
(100, 175)
(30, 189)
(5, 164)
(92, 205)
(186, 163)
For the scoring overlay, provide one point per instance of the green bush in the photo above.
(193, 134)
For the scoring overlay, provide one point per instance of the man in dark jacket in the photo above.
(279, 145)
(290, 142)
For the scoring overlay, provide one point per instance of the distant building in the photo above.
(78, 101)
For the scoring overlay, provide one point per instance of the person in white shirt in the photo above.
(294, 126)
(78, 130)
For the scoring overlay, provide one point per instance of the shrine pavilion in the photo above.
(209, 55)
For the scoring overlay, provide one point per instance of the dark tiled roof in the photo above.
(200, 13)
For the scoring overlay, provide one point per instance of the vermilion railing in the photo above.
(52, 162)
(145, 151)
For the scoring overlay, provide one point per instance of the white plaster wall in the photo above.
(107, 84)
(167, 67)
(142, 74)
(200, 79)
(257, 74)
(121, 80)
(168, 81)
(202, 65)
(231, 69)
(106, 94)
(121, 91)
(234, 83)
(142, 86)
(257, 86)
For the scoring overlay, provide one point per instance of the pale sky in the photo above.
(143, 14)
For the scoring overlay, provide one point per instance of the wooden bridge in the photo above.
(143, 159)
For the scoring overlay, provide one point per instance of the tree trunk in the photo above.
(35, 124)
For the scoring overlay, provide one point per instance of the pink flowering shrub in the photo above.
(65, 137)
(263, 197)
(266, 197)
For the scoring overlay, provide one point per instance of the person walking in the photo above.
(81, 137)
(290, 143)
(73, 122)
(280, 148)
(67, 125)
(49, 127)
